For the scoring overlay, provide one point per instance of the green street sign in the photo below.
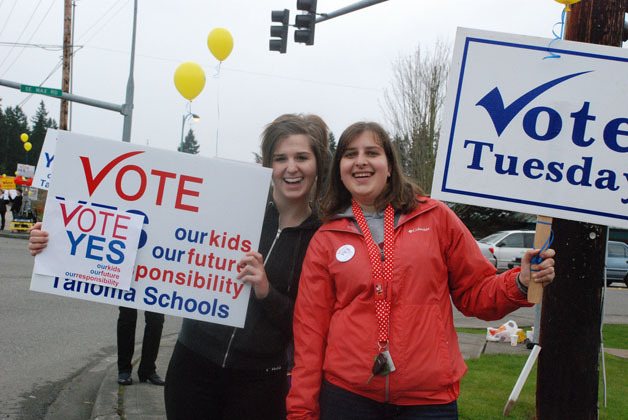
(41, 90)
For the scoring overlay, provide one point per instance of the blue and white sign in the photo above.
(526, 131)
(43, 172)
(199, 216)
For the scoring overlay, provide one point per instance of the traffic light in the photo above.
(279, 31)
(305, 22)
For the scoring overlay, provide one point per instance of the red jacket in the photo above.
(335, 328)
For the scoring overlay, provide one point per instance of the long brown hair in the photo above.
(400, 192)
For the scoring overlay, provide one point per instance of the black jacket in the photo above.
(267, 332)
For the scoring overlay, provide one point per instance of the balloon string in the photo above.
(557, 36)
(217, 106)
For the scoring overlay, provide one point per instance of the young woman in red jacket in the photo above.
(373, 325)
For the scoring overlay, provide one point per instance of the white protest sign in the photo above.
(89, 243)
(534, 135)
(25, 170)
(43, 172)
(200, 216)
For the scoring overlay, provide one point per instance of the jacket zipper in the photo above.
(387, 395)
(224, 360)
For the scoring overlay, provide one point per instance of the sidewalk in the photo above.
(137, 401)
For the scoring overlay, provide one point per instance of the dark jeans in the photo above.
(199, 389)
(150, 344)
(2, 219)
(339, 404)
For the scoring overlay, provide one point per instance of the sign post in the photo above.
(542, 235)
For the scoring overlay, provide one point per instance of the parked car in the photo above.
(504, 249)
(616, 263)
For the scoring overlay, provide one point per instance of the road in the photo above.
(46, 340)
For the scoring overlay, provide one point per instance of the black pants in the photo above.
(339, 404)
(3, 219)
(150, 344)
(199, 389)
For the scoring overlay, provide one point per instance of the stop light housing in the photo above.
(279, 33)
(305, 23)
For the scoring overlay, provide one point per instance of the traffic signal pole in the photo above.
(305, 23)
(568, 368)
(348, 9)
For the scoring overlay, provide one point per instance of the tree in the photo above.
(332, 143)
(40, 123)
(12, 124)
(413, 107)
(190, 145)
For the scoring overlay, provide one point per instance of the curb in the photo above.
(16, 235)
(106, 406)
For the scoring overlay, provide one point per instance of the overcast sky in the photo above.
(342, 77)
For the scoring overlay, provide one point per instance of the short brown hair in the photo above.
(400, 192)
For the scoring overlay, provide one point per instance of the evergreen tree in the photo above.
(12, 125)
(332, 143)
(190, 145)
(40, 123)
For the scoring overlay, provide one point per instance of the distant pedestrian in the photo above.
(3, 209)
(16, 205)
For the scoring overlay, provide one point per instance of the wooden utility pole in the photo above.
(568, 369)
(67, 57)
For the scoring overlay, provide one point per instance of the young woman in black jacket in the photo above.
(221, 372)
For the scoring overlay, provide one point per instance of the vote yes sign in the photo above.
(196, 219)
(89, 243)
(529, 132)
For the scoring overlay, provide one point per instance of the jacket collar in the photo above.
(346, 222)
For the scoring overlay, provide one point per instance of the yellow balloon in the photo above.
(24, 137)
(28, 146)
(189, 79)
(567, 3)
(220, 43)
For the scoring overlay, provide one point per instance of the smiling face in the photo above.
(364, 169)
(294, 169)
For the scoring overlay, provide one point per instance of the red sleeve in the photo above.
(475, 288)
(313, 310)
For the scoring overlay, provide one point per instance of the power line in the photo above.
(100, 19)
(47, 47)
(22, 33)
(8, 17)
(55, 68)
(31, 37)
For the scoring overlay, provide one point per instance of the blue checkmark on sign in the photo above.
(502, 115)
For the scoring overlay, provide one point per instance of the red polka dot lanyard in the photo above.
(382, 278)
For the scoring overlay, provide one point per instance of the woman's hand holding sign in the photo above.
(251, 271)
(542, 272)
(38, 239)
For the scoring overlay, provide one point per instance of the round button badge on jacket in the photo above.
(345, 253)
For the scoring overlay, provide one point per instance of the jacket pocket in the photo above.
(425, 362)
